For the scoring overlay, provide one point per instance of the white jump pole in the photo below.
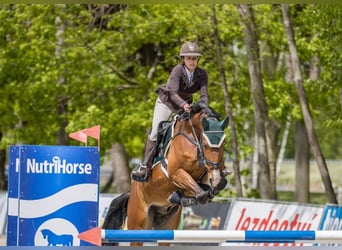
(211, 236)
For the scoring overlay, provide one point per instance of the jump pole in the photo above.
(97, 235)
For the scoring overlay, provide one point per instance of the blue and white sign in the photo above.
(53, 194)
(13, 201)
(332, 218)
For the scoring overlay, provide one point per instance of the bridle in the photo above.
(202, 160)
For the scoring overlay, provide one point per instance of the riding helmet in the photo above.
(190, 49)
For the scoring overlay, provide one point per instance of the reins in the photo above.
(202, 160)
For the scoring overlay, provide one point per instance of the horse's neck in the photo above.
(191, 126)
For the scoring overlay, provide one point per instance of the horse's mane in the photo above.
(201, 107)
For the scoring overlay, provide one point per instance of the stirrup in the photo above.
(141, 178)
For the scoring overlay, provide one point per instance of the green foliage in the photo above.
(107, 67)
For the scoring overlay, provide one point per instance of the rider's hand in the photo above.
(187, 107)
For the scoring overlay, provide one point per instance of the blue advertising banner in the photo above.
(57, 195)
(13, 201)
(332, 218)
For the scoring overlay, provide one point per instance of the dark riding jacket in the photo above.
(178, 90)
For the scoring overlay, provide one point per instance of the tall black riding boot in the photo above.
(142, 172)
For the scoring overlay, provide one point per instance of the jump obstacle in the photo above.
(97, 235)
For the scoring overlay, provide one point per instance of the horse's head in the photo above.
(44, 233)
(205, 131)
(213, 142)
(211, 153)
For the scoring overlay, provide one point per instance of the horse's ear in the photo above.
(205, 123)
(225, 123)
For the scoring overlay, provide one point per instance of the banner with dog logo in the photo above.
(53, 194)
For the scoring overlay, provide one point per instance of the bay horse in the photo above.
(190, 173)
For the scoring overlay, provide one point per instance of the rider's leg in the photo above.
(161, 113)
(142, 172)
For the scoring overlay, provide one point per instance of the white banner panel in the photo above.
(273, 215)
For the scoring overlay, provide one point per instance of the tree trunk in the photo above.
(62, 136)
(302, 148)
(315, 147)
(268, 67)
(258, 97)
(302, 157)
(120, 164)
(3, 181)
(228, 106)
(281, 153)
(272, 133)
(268, 62)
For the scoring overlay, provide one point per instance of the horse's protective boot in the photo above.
(179, 198)
(176, 197)
(188, 201)
(203, 197)
(142, 173)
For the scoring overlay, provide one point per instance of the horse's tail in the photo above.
(117, 212)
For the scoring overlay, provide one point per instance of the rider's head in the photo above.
(190, 54)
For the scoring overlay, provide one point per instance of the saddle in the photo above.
(164, 136)
(165, 133)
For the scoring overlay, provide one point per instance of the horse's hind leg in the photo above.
(168, 221)
(137, 211)
(137, 218)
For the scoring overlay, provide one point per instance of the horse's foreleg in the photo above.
(220, 186)
(184, 181)
(136, 244)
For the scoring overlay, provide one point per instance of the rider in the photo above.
(185, 79)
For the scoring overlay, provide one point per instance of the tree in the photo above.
(228, 105)
(258, 97)
(111, 58)
(314, 143)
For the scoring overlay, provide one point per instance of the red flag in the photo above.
(93, 132)
(79, 136)
(83, 134)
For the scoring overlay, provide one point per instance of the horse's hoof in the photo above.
(188, 201)
(220, 186)
(203, 197)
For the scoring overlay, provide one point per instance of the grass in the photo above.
(286, 180)
(314, 198)
(286, 176)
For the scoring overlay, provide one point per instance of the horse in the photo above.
(54, 239)
(190, 173)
